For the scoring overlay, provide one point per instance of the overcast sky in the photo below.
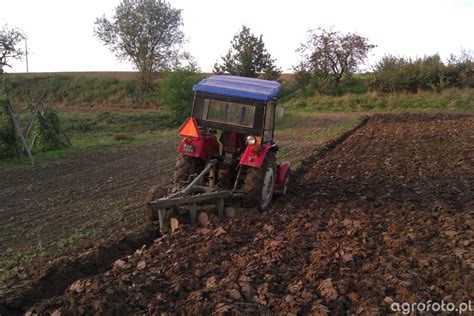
(60, 32)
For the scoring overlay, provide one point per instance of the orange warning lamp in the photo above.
(189, 128)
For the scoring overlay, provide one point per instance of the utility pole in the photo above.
(26, 55)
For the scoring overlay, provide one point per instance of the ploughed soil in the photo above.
(48, 209)
(385, 216)
(48, 202)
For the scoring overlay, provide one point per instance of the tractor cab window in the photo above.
(228, 113)
(269, 120)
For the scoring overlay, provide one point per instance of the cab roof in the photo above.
(239, 87)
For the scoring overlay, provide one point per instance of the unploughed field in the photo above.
(385, 216)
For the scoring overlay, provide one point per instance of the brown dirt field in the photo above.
(387, 215)
(92, 193)
(70, 208)
(46, 204)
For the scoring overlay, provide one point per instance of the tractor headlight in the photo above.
(250, 140)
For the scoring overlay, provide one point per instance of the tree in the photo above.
(146, 32)
(328, 55)
(248, 57)
(393, 73)
(9, 49)
(176, 91)
(460, 69)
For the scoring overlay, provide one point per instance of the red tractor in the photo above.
(227, 147)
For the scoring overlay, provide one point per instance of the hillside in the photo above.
(120, 91)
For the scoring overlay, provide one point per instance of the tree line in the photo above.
(148, 33)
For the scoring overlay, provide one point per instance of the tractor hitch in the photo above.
(192, 194)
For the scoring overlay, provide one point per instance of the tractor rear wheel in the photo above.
(155, 192)
(185, 166)
(259, 184)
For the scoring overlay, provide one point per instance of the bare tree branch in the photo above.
(328, 54)
(10, 39)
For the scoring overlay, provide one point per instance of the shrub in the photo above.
(302, 76)
(7, 136)
(177, 94)
(47, 131)
(428, 73)
(459, 71)
(287, 90)
(401, 74)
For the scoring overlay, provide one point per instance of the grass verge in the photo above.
(90, 142)
(456, 100)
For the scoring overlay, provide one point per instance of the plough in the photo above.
(192, 194)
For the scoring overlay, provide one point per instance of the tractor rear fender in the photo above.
(202, 147)
(255, 154)
(281, 173)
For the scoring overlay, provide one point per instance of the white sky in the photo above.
(60, 32)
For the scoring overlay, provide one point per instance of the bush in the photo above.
(459, 71)
(7, 136)
(302, 76)
(47, 130)
(401, 74)
(287, 90)
(176, 92)
(355, 83)
(428, 73)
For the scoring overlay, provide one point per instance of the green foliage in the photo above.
(459, 70)
(355, 83)
(7, 135)
(302, 75)
(74, 123)
(47, 130)
(428, 73)
(10, 49)
(441, 85)
(145, 32)
(287, 90)
(328, 56)
(248, 57)
(447, 100)
(177, 94)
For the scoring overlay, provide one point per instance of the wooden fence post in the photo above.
(17, 129)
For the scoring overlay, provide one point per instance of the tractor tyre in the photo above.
(185, 166)
(155, 192)
(259, 184)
